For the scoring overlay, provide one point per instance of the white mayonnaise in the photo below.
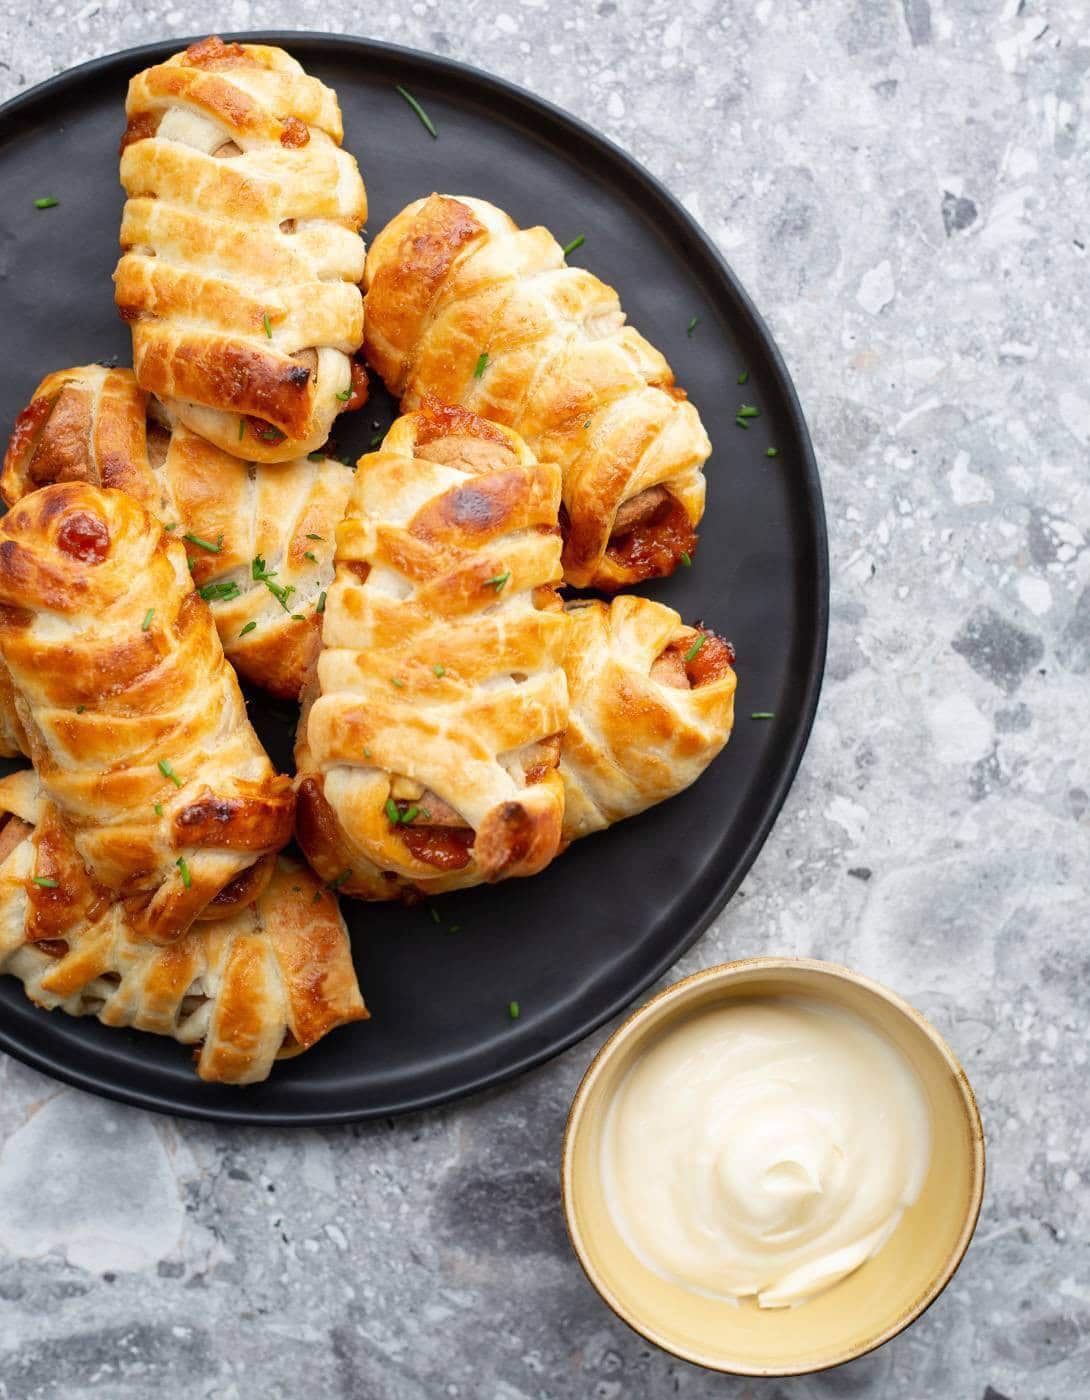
(765, 1149)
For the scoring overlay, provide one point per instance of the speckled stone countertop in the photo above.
(902, 186)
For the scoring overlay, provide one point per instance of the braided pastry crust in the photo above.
(264, 984)
(133, 719)
(428, 743)
(652, 703)
(464, 305)
(260, 542)
(241, 248)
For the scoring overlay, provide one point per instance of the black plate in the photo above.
(578, 943)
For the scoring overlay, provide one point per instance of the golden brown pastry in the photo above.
(260, 540)
(266, 983)
(464, 305)
(241, 248)
(133, 719)
(652, 703)
(428, 742)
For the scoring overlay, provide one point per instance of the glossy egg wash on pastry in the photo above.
(765, 1149)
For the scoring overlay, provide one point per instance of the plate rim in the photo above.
(448, 69)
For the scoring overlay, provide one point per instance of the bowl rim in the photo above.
(629, 1031)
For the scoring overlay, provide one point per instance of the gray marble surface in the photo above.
(902, 185)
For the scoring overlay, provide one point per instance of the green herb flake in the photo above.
(315, 456)
(376, 440)
(319, 538)
(434, 913)
(577, 242)
(261, 574)
(410, 815)
(439, 669)
(271, 433)
(763, 714)
(157, 808)
(396, 680)
(248, 628)
(146, 624)
(298, 617)
(743, 378)
(695, 648)
(741, 423)
(366, 751)
(686, 559)
(341, 878)
(317, 896)
(393, 816)
(586, 425)
(168, 772)
(267, 324)
(241, 429)
(172, 526)
(772, 451)
(320, 606)
(692, 326)
(45, 882)
(514, 1010)
(497, 581)
(345, 394)
(47, 202)
(308, 555)
(482, 364)
(183, 870)
(205, 544)
(426, 121)
(80, 709)
(455, 928)
(221, 592)
(747, 410)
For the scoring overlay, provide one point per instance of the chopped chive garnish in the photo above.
(241, 429)
(147, 619)
(497, 581)
(345, 394)
(308, 555)
(439, 669)
(297, 889)
(248, 628)
(692, 326)
(772, 451)
(482, 364)
(455, 928)
(393, 816)
(315, 456)
(396, 680)
(220, 592)
(408, 817)
(427, 122)
(376, 440)
(298, 617)
(577, 242)
(434, 913)
(514, 1010)
(687, 559)
(747, 410)
(280, 591)
(341, 878)
(366, 751)
(586, 425)
(695, 647)
(317, 896)
(740, 422)
(425, 814)
(47, 203)
(168, 772)
(319, 538)
(45, 882)
(80, 709)
(763, 714)
(172, 526)
(320, 608)
(183, 870)
(157, 808)
(205, 544)
(743, 377)
(267, 324)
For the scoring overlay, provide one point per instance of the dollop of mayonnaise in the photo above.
(765, 1148)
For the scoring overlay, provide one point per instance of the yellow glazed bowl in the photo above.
(869, 1306)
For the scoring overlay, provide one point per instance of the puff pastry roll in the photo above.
(429, 739)
(260, 541)
(463, 304)
(244, 991)
(133, 719)
(241, 248)
(652, 703)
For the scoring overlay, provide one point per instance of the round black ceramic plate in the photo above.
(578, 943)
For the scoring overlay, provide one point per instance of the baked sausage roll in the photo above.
(260, 542)
(429, 739)
(652, 703)
(241, 248)
(266, 983)
(463, 304)
(133, 719)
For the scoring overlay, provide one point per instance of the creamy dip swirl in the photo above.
(765, 1148)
